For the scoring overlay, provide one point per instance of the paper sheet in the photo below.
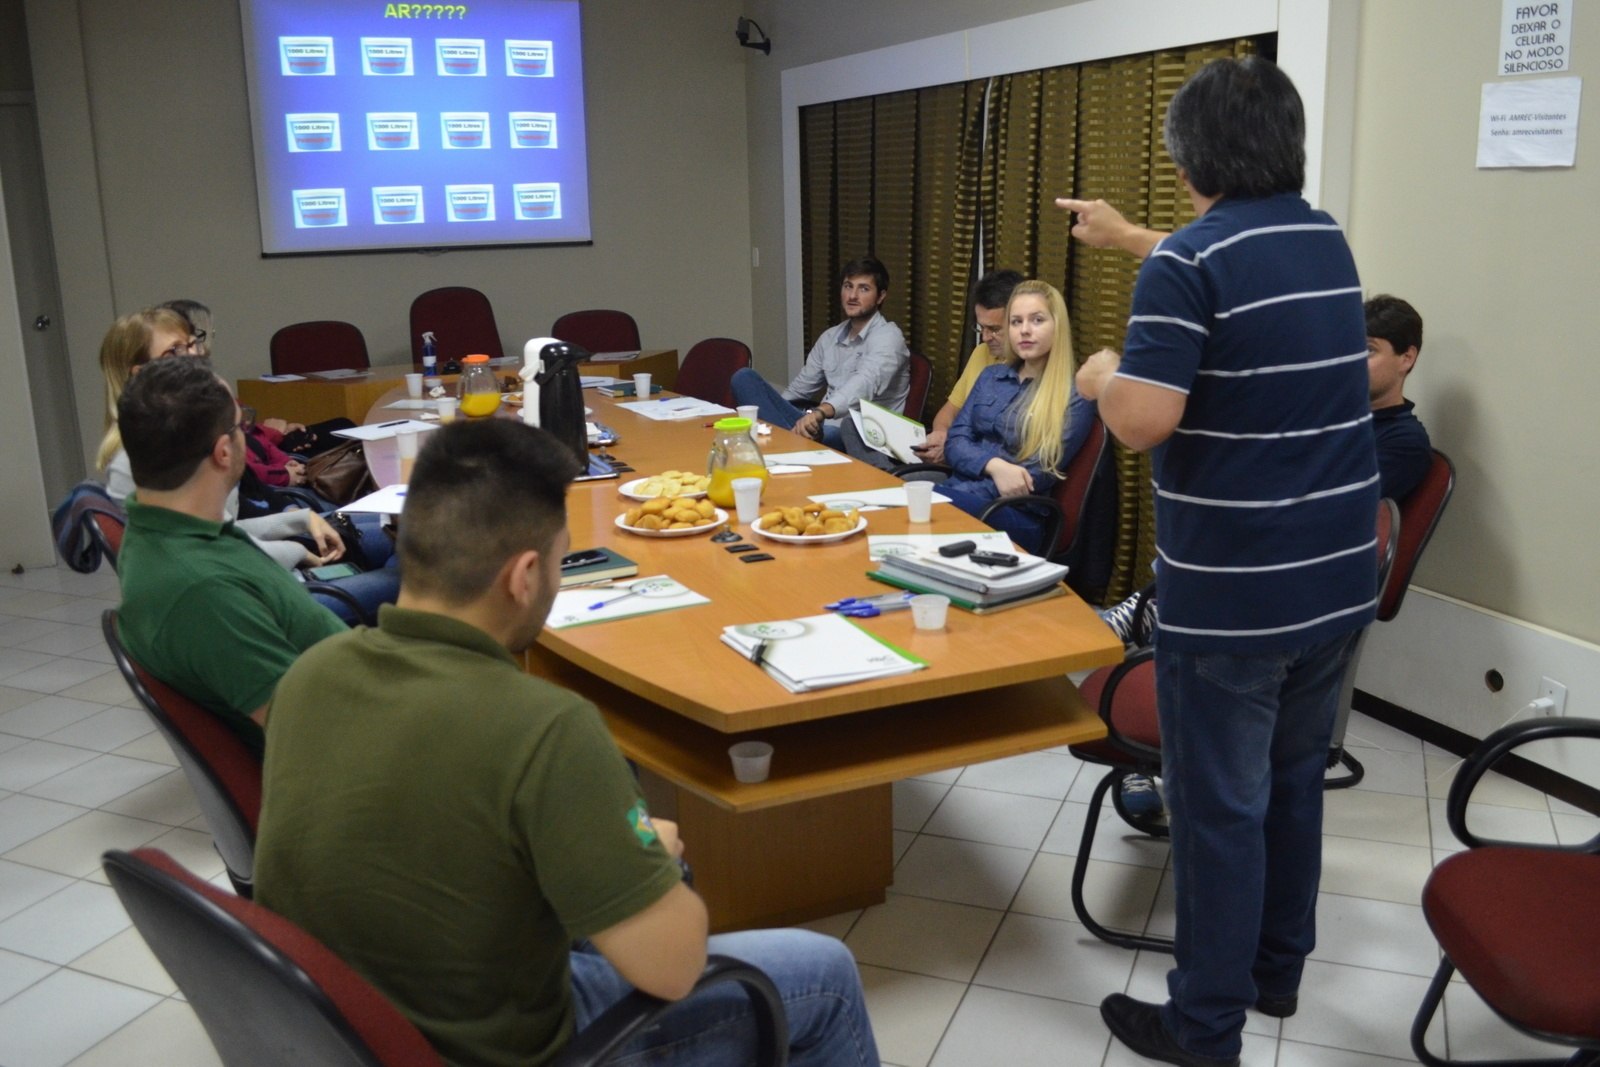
(629, 596)
(815, 457)
(390, 500)
(382, 431)
(872, 499)
(671, 409)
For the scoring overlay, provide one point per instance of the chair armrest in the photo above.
(1050, 511)
(932, 472)
(292, 496)
(344, 596)
(623, 1020)
(1489, 752)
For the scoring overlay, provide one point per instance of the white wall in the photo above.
(147, 148)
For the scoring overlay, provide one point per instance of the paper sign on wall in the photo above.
(1529, 123)
(1535, 38)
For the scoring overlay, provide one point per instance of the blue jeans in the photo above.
(1021, 524)
(749, 387)
(815, 975)
(1244, 742)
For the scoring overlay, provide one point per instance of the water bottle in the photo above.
(430, 363)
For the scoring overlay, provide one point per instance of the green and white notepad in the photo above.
(818, 652)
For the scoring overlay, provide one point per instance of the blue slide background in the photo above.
(352, 94)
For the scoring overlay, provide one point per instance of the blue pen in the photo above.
(867, 606)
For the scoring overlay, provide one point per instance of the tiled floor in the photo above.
(984, 857)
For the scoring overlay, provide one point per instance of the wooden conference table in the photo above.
(313, 400)
(815, 838)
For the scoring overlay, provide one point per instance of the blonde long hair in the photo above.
(126, 347)
(1043, 405)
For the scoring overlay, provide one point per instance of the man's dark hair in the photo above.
(866, 265)
(1237, 128)
(993, 290)
(481, 492)
(171, 414)
(1394, 321)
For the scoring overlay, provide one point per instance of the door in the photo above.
(39, 297)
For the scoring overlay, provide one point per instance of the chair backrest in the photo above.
(224, 774)
(327, 344)
(461, 321)
(708, 368)
(1087, 495)
(107, 530)
(1419, 517)
(598, 330)
(921, 378)
(266, 991)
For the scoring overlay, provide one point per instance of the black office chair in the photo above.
(268, 993)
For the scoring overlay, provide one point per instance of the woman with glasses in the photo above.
(1024, 420)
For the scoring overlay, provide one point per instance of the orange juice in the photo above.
(721, 488)
(479, 404)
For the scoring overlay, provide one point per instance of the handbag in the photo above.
(340, 474)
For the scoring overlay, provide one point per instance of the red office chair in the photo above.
(1079, 516)
(268, 992)
(327, 344)
(1518, 921)
(1125, 696)
(224, 774)
(708, 369)
(461, 321)
(598, 330)
(921, 378)
(1419, 517)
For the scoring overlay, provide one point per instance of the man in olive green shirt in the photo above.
(203, 609)
(457, 824)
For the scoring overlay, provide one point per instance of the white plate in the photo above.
(819, 539)
(630, 490)
(515, 400)
(721, 520)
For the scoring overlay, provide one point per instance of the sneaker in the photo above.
(1138, 1025)
(1139, 797)
(1120, 617)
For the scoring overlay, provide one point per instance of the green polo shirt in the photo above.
(450, 830)
(208, 612)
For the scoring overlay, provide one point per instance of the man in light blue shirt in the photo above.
(863, 358)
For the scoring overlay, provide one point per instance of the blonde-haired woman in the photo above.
(1024, 420)
(133, 341)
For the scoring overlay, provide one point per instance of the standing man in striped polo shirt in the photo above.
(1244, 371)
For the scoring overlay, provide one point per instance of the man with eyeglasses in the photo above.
(990, 295)
(203, 608)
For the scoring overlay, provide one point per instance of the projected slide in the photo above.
(383, 125)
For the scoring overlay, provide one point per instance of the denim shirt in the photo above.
(987, 428)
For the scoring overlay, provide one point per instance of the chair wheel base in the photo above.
(1354, 772)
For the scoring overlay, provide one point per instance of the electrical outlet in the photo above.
(1556, 693)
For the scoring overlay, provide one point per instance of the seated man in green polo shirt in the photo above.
(203, 609)
(458, 824)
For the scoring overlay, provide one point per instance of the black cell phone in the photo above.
(994, 559)
(957, 548)
(582, 559)
(755, 557)
(736, 549)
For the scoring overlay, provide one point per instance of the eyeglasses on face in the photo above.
(183, 348)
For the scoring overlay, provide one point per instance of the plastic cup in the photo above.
(752, 760)
(406, 444)
(747, 498)
(749, 411)
(919, 501)
(447, 408)
(928, 611)
(641, 386)
(414, 386)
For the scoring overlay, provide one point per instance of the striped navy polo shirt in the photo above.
(1267, 492)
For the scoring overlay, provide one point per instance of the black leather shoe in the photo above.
(1278, 1005)
(1138, 1025)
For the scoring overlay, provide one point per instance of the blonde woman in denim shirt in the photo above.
(1023, 421)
